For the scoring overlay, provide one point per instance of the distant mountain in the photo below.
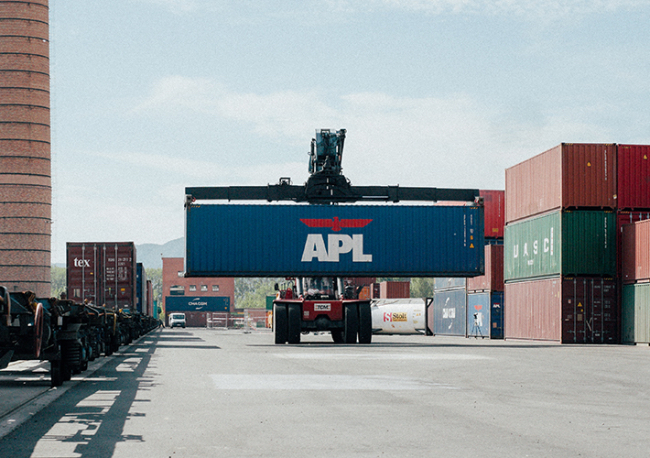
(151, 254)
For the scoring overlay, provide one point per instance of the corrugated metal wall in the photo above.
(25, 171)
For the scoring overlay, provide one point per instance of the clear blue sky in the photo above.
(151, 96)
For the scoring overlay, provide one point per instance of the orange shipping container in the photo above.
(571, 175)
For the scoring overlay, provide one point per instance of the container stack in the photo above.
(473, 307)
(635, 275)
(485, 293)
(560, 260)
(633, 229)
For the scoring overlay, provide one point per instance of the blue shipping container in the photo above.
(485, 315)
(345, 240)
(450, 312)
(197, 304)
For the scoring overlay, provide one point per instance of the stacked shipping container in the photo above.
(473, 307)
(633, 163)
(583, 191)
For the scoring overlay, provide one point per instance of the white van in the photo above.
(176, 319)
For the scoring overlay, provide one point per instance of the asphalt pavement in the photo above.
(205, 393)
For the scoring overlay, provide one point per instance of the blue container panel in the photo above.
(488, 321)
(450, 312)
(478, 315)
(441, 283)
(496, 316)
(371, 240)
(197, 304)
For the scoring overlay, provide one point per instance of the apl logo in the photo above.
(337, 244)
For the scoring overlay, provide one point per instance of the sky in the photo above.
(152, 96)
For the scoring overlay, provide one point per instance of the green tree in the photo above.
(252, 292)
(59, 281)
(155, 277)
(421, 287)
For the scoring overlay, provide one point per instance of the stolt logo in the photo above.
(337, 244)
(81, 262)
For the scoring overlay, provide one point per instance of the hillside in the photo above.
(151, 254)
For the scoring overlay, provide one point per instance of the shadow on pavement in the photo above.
(88, 420)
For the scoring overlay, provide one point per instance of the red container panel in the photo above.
(494, 205)
(566, 310)
(532, 310)
(633, 164)
(635, 252)
(103, 273)
(623, 218)
(493, 278)
(571, 175)
(394, 289)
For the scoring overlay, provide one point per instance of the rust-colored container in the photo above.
(103, 273)
(571, 175)
(493, 278)
(494, 203)
(25, 165)
(623, 218)
(633, 168)
(562, 309)
(394, 289)
(635, 252)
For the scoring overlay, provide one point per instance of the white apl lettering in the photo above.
(337, 244)
(81, 262)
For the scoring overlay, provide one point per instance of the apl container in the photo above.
(633, 164)
(571, 175)
(450, 312)
(343, 240)
(635, 313)
(493, 278)
(635, 252)
(485, 315)
(562, 309)
(581, 242)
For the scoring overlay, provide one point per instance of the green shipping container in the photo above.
(635, 313)
(581, 242)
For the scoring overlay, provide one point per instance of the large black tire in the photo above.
(66, 372)
(56, 373)
(365, 323)
(337, 335)
(280, 323)
(350, 323)
(293, 319)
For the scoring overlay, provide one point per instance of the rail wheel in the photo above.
(350, 323)
(293, 320)
(38, 330)
(280, 323)
(365, 323)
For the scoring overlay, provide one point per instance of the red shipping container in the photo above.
(494, 203)
(566, 310)
(635, 252)
(571, 175)
(633, 164)
(493, 278)
(623, 218)
(394, 289)
(103, 273)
